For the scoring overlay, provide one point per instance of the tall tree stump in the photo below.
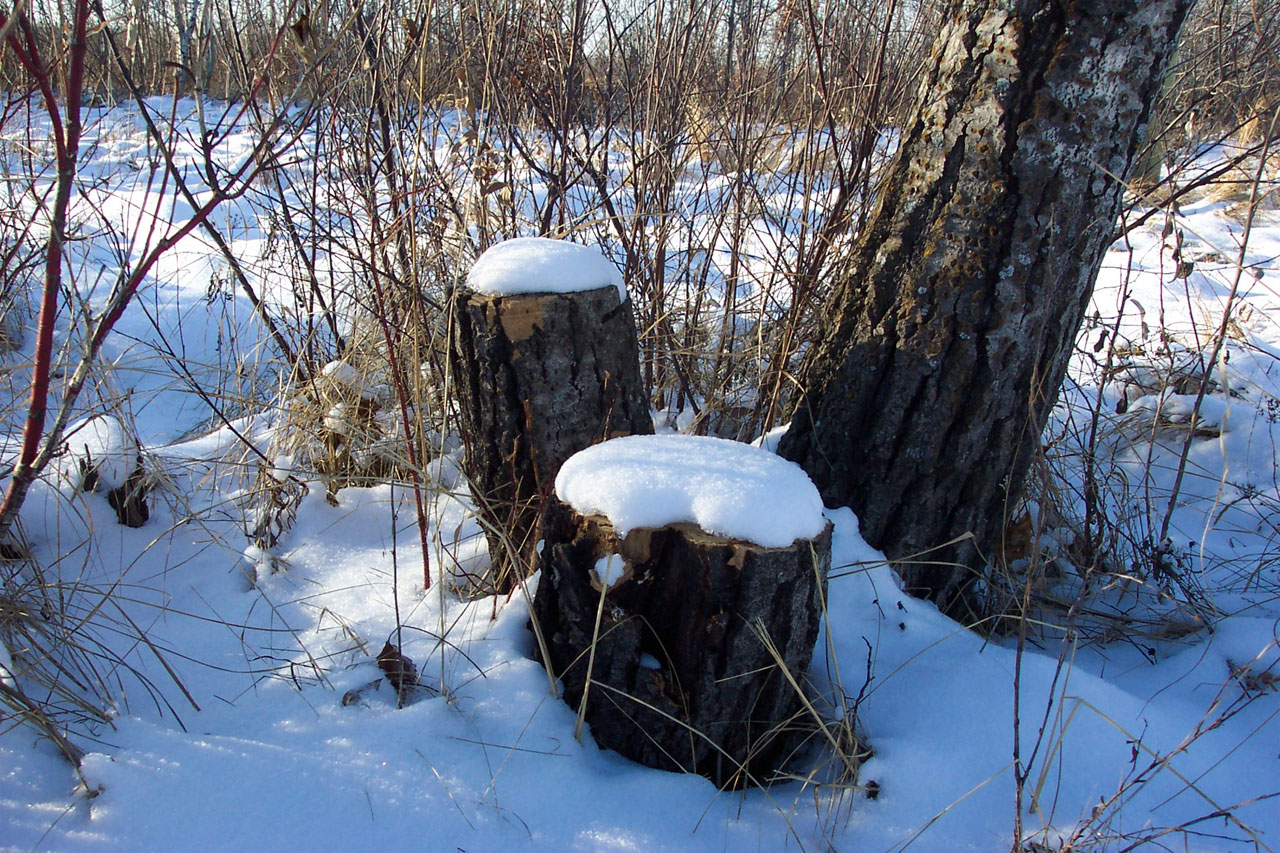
(666, 632)
(544, 363)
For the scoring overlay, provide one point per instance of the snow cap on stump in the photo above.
(542, 265)
(726, 488)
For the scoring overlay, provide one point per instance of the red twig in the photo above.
(35, 455)
(22, 41)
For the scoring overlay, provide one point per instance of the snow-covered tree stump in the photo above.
(544, 362)
(103, 456)
(680, 575)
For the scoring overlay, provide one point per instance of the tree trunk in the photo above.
(948, 337)
(538, 377)
(680, 677)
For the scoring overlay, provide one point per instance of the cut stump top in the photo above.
(726, 488)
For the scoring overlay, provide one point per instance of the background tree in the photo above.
(946, 342)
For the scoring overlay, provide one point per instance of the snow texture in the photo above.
(344, 373)
(101, 444)
(609, 570)
(542, 265)
(337, 420)
(725, 487)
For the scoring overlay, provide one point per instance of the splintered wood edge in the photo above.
(520, 314)
(635, 546)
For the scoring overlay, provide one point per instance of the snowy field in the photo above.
(253, 716)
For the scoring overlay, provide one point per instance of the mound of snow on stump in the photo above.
(680, 576)
(101, 453)
(724, 487)
(542, 265)
(103, 456)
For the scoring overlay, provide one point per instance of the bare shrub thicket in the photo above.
(719, 154)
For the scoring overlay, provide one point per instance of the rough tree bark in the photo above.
(680, 678)
(538, 377)
(948, 336)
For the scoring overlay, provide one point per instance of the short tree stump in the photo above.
(681, 676)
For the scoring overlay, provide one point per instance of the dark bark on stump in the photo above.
(716, 702)
(945, 345)
(538, 377)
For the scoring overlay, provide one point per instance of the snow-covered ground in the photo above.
(253, 716)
